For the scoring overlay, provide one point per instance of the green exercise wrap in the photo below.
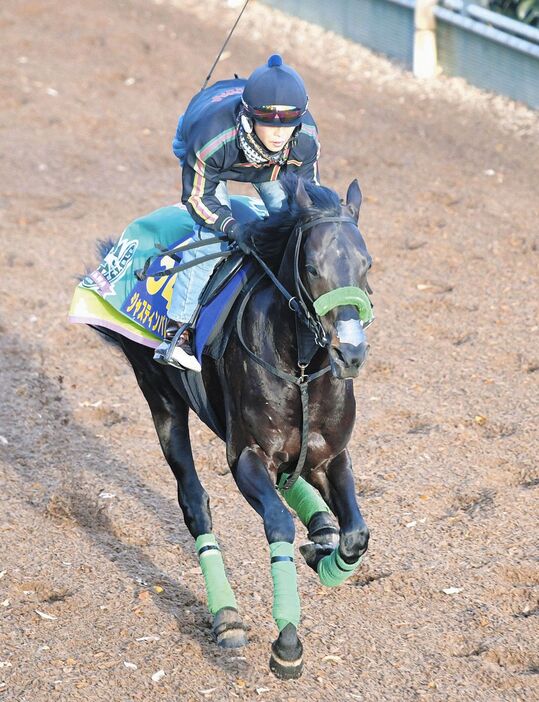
(218, 588)
(304, 499)
(333, 571)
(286, 606)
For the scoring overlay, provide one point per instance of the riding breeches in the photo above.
(190, 283)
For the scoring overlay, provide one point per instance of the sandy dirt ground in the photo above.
(99, 584)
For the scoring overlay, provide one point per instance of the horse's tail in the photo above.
(103, 246)
(108, 335)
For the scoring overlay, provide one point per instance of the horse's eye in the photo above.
(311, 270)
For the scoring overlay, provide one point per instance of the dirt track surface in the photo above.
(446, 446)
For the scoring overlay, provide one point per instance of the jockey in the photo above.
(252, 131)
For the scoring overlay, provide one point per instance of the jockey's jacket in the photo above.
(207, 145)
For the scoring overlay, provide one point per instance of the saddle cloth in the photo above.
(112, 297)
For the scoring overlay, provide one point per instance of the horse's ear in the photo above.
(302, 197)
(353, 199)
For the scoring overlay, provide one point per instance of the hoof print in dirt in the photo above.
(228, 629)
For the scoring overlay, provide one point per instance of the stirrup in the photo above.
(167, 356)
(173, 354)
(164, 355)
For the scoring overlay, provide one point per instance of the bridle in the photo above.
(308, 310)
(303, 295)
(305, 308)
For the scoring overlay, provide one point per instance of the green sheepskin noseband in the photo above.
(345, 296)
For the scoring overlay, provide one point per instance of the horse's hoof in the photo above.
(228, 629)
(286, 660)
(323, 530)
(285, 670)
(313, 554)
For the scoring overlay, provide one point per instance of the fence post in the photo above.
(425, 60)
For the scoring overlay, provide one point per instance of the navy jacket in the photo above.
(207, 145)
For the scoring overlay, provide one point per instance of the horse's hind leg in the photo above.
(170, 416)
(256, 485)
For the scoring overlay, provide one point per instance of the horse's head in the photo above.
(331, 266)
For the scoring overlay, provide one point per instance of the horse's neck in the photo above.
(281, 337)
(281, 328)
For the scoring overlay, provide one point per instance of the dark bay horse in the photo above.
(280, 418)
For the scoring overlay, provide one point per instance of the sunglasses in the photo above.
(269, 114)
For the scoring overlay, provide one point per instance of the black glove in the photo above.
(240, 234)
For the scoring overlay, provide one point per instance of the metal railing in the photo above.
(464, 39)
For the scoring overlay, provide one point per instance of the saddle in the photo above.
(221, 275)
(219, 303)
(113, 297)
(216, 302)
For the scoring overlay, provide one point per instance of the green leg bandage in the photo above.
(218, 588)
(303, 498)
(333, 571)
(286, 606)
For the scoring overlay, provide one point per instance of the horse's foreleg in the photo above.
(170, 416)
(311, 509)
(354, 534)
(256, 485)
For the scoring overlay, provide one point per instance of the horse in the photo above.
(283, 389)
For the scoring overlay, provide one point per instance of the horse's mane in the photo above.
(270, 235)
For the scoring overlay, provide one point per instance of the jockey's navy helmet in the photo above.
(275, 94)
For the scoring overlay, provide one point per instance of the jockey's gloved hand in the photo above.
(241, 235)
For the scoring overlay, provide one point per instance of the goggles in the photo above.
(269, 114)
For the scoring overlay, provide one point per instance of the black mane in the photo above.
(270, 235)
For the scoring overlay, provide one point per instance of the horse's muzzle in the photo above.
(346, 359)
(348, 349)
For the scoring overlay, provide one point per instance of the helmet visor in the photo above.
(272, 114)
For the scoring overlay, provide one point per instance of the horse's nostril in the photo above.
(339, 353)
(352, 356)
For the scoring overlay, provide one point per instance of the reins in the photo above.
(297, 302)
(142, 273)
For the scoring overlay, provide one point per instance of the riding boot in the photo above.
(176, 348)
